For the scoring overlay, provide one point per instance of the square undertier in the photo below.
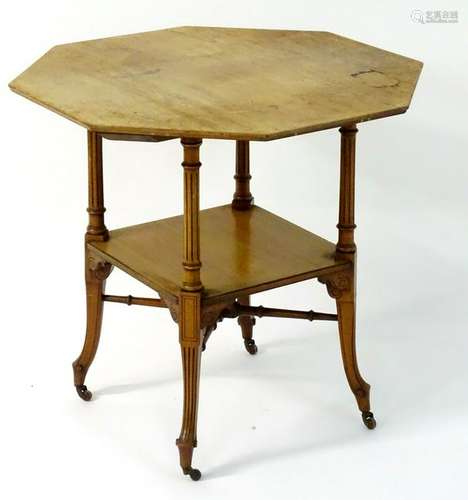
(242, 252)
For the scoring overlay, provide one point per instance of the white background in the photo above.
(283, 424)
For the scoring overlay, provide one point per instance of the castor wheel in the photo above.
(368, 419)
(194, 474)
(83, 392)
(250, 346)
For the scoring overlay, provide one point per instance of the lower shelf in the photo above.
(241, 252)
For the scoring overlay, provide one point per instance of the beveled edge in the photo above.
(167, 134)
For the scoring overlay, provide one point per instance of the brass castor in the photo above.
(83, 392)
(250, 346)
(194, 474)
(368, 419)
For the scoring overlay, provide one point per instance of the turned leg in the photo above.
(243, 200)
(246, 323)
(96, 271)
(190, 298)
(342, 286)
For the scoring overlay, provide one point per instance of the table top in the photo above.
(227, 83)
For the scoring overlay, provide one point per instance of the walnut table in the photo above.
(229, 84)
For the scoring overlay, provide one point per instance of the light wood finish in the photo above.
(246, 311)
(242, 198)
(220, 82)
(96, 230)
(190, 337)
(243, 252)
(342, 285)
(242, 84)
(191, 262)
(96, 270)
(346, 225)
(239, 309)
(190, 307)
(135, 138)
(134, 301)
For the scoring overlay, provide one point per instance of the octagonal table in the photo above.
(238, 84)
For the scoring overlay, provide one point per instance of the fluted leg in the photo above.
(190, 335)
(190, 343)
(96, 273)
(247, 323)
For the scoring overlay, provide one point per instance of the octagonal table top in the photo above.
(226, 83)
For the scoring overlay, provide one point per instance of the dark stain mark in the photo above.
(376, 79)
(366, 71)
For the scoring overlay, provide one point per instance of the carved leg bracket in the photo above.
(207, 334)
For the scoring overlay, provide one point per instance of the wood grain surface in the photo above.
(199, 82)
(241, 251)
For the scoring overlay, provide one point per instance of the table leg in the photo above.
(190, 344)
(190, 308)
(346, 308)
(96, 270)
(247, 323)
(243, 200)
(342, 286)
(96, 273)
